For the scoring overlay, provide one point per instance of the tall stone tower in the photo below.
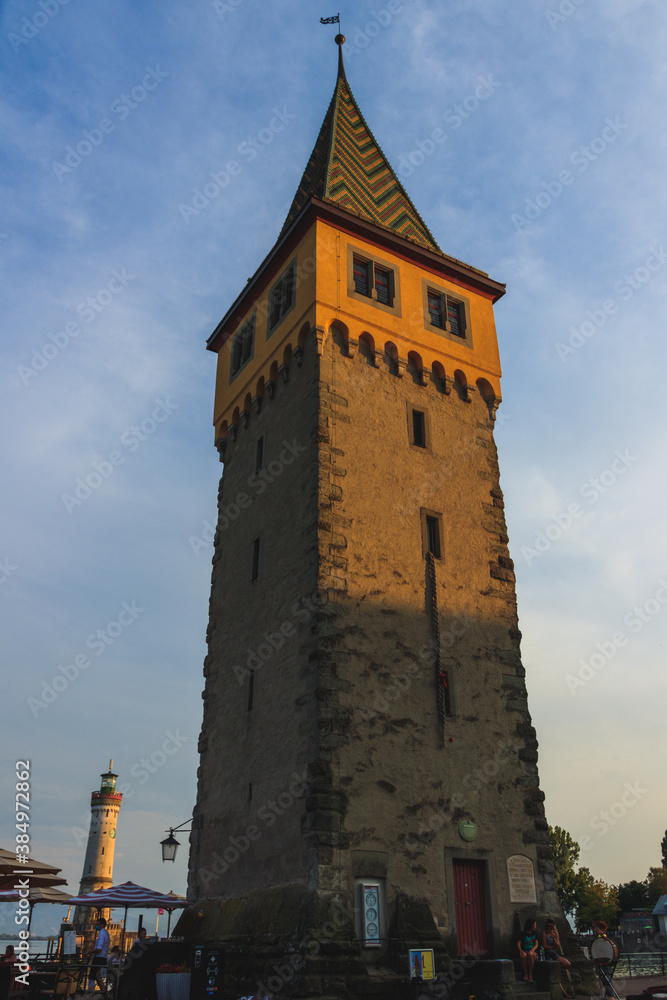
(98, 864)
(368, 779)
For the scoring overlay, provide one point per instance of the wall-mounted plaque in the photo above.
(467, 830)
(521, 878)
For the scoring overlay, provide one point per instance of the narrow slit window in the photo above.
(251, 692)
(433, 535)
(418, 429)
(254, 569)
(259, 454)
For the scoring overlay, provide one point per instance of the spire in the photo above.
(340, 41)
(348, 168)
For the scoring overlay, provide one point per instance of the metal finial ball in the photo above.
(339, 39)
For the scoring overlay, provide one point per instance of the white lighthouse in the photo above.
(98, 865)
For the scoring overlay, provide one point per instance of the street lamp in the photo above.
(170, 845)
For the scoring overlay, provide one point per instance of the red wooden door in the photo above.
(469, 912)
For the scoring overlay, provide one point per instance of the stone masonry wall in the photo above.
(388, 784)
(342, 756)
(245, 837)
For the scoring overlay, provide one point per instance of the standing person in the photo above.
(605, 967)
(98, 965)
(553, 951)
(527, 945)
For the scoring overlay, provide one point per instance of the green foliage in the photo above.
(633, 896)
(596, 901)
(579, 893)
(566, 854)
(656, 885)
(566, 849)
(591, 899)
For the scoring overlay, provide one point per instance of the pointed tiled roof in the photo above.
(348, 168)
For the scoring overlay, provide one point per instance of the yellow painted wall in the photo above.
(230, 396)
(406, 331)
(322, 298)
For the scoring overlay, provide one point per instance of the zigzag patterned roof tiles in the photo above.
(348, 168)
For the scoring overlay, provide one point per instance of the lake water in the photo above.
(37, 945)
(642, 964)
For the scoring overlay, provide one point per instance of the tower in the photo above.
(98, 864)
(368, 779)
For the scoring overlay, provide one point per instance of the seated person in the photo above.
(11, 958)
(115, 961)
(552, 950)
(139, 945)
(527, 945)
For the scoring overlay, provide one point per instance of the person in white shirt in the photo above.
(98, 965)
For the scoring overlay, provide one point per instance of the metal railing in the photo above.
(641, 963)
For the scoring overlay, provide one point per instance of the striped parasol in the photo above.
(129, 895)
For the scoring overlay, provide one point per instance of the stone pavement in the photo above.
(625, 986)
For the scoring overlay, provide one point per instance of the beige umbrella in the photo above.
(8, 860)
(177, 904)
(36, 881)
(38, 873)
(46, 895)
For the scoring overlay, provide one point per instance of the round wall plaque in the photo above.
(468, 830)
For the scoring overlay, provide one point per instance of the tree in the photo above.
(663, 847)
(566, 849)
(632, 896)
(579, 893)
(566, 854)
(596, 901)
(656, 885)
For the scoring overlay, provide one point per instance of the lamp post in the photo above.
(170, 845)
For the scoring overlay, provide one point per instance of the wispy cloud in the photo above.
(65, 240)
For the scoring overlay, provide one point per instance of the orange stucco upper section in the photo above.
(325, 296)
(405, 324)
(231, 394)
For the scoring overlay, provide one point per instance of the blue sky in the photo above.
(550, 177)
